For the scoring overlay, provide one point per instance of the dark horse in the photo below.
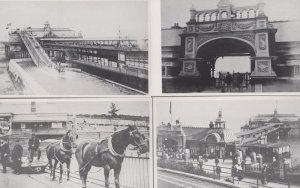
(109, 153)
(61, 152)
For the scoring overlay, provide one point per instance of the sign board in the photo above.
(121, 56)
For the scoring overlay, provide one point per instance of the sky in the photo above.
(198, 112)
(95, 19)
(232, 64)
(177, 11)
(130, 107)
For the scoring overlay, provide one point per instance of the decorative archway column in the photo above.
(189, 62)
(189, 68)
(263, 66)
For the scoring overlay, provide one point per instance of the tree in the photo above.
(113, 110)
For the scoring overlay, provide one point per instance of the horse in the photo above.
(108, 153)
(61, 152)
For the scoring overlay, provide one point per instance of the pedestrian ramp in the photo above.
(254, 135)
(37, 54)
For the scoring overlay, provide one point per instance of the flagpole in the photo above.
(171, 112)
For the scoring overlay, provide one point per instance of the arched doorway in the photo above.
(231, 64)
(218, 48)
(213, 145)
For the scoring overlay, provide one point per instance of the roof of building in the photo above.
(280, 117)
(170, 37)
(229, 136)
(41, 117)
(5, 114)
(195, 133)
(268, 145)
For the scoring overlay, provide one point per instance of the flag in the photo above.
(170, 110)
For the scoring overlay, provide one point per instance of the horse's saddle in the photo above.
(102, 146)
(106, 145)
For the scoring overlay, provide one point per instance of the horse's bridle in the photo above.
(69, 143)
(131, 133)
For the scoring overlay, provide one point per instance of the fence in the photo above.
(245, 80)
(226, 174)
(135, 172)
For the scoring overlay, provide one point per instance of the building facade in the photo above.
(214, 141)
(189, 53)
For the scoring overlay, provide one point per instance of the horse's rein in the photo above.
(137, 144)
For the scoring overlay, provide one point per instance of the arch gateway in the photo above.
(228, 31)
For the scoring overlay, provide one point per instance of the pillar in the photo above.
(189, 68)
(263, 62)
(189, 62)
(263, 67)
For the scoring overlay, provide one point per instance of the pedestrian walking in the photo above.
(243, 165)
(240, 81)
(200, 163)
(16, 156)
(223, 157)
(264, 180)
(4, 154)
(216, 161)
(33, 146)
(228, 81)
(218, 171)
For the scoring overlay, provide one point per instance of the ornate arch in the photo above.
(250, 40)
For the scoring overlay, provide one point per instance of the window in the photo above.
(224, 15)
(23, 126)
(297, 70)
(56, 125)
(163, 69)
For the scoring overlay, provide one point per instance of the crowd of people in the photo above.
(171, 153)
(230, 82)
(238, 166)
(17, 152)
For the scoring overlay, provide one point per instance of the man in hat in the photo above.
(33, 146)
(228, 80)
(4, 154)
(16, 157)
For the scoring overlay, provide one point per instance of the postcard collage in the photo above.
(149, 93)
